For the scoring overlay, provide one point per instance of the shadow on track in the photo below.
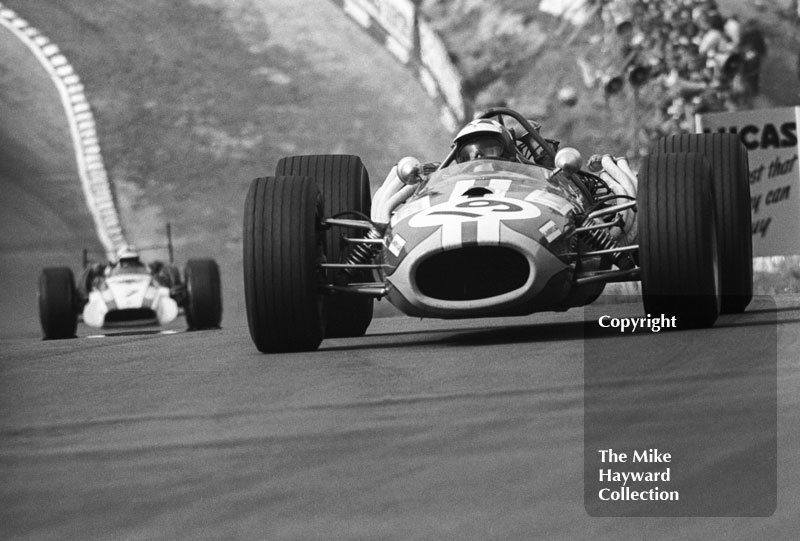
(587, 329)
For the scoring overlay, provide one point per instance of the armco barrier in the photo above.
(397, 26)
(440, 76)
(91, 170)
(395, 20)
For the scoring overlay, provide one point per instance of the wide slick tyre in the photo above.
(728, 159)
(678, 252)
(203, 306)
(58, 312)
(343, 182)
(282, 251)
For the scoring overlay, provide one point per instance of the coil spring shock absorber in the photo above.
(601, 239)
(363, 252)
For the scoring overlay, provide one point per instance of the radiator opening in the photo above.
(472, 273)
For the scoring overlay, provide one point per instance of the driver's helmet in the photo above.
(127, 257)
(484, 138)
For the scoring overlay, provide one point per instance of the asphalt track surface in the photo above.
(420, 430)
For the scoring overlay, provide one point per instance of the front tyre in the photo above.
(203, 306)
(343, 182)
(727, 157)
(283, 248)
(678, 253)
(58, 303)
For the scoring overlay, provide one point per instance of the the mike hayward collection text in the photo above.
(620, 478)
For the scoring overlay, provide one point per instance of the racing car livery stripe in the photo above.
(469, 233)
(500, 186)
(451, 235)
(489, 231)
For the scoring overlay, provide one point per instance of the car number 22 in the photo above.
(461, 210)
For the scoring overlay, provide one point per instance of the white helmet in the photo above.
(484, 138)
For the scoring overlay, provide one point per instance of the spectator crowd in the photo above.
(683, 54)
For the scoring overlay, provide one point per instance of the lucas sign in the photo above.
(770, 136)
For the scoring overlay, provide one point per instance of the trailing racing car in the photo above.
(506, 224)
(127, 291)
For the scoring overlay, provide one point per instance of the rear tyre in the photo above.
(343, 182)
(58, 303)
(727, 157)
(283, 247)
(678, 252)
(203, 305)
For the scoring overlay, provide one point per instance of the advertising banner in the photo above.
(770, 136)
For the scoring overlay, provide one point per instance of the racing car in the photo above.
(126, 291)
(480, 236)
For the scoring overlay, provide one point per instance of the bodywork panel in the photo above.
(485, 203)
(129, 298)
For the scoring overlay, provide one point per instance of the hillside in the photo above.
(513, 53)
(193, 99)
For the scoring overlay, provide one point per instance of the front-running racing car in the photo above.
(506, 224)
